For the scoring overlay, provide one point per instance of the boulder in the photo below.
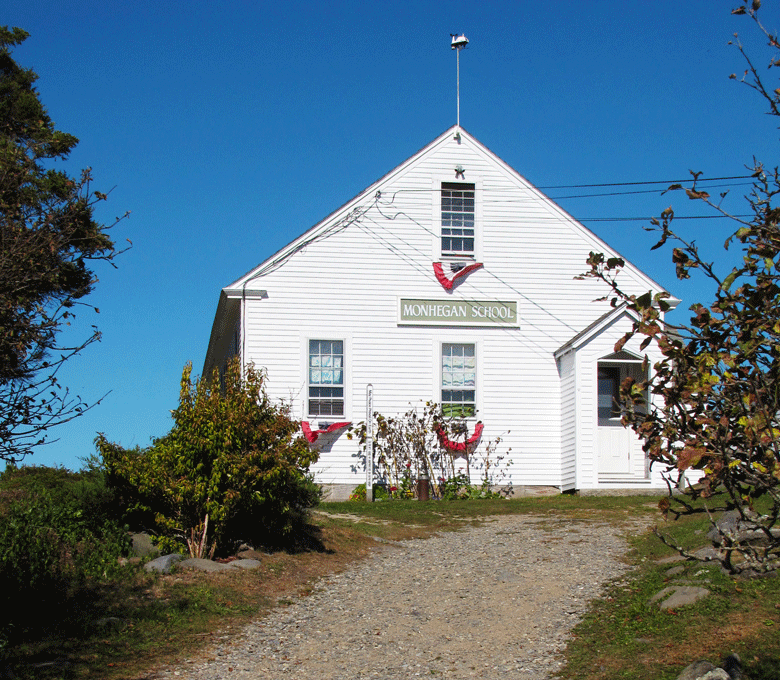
(164, 564)
(733, 666)
(696, 670)
(248, 563)
(704, 670)
(706, 553)
(731, 525)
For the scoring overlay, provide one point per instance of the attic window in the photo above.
(457, 219)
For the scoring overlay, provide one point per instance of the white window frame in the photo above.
(460, 193)
(436, 217)
(439, 373)
(345, 348)
(623, 368)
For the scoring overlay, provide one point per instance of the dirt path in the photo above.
(493, 601)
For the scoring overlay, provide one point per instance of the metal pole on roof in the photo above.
(458, 43)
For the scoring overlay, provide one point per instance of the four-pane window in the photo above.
(326, 377)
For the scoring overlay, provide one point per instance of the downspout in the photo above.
(242, 316)
(242, 321)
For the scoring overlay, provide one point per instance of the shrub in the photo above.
(428, 441)
(85, 489)
(231, 469)
(49, 547)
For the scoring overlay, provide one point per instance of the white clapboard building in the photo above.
(451, 279)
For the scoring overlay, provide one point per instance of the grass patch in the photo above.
(442, 514)
(622, 637)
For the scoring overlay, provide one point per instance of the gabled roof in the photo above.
(584, 336)
(342, 217)
(250, 284)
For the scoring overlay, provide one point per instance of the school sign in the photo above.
(457, 312)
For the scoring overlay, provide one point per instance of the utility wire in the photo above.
(643, 191)
(488, 191)
(655, 181)
(647, 219)
(556, 218)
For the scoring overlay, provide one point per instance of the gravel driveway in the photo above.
(498, 600)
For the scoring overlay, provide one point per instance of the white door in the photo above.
(613, 440)
(614, 450)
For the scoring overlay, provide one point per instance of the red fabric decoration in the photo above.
(313, 435)
(444, 440)
(449, 283)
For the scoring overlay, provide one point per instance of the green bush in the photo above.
(379, 490)
(233, 468)
(86, 489)
(52, 542)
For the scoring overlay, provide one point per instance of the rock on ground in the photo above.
(676, 596)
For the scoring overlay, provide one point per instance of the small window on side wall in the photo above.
(458, 380)
(326, 377)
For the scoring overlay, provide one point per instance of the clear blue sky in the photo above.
(227, 129)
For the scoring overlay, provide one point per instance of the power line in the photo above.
(642, 191)
(556, 218)
(700, 180)
(703, 183)
(647, 219)
(655, 181)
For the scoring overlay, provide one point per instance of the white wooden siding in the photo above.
(568, 421)
(346, 286)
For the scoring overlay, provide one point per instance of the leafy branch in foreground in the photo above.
(48, 242)
(719, 379)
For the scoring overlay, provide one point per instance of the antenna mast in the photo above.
(458, 43)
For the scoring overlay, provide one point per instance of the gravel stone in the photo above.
(498, 600)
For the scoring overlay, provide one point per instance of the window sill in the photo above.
(458, 257)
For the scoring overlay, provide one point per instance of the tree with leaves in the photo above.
(48, 240)
(718, 384)
(233, 467)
